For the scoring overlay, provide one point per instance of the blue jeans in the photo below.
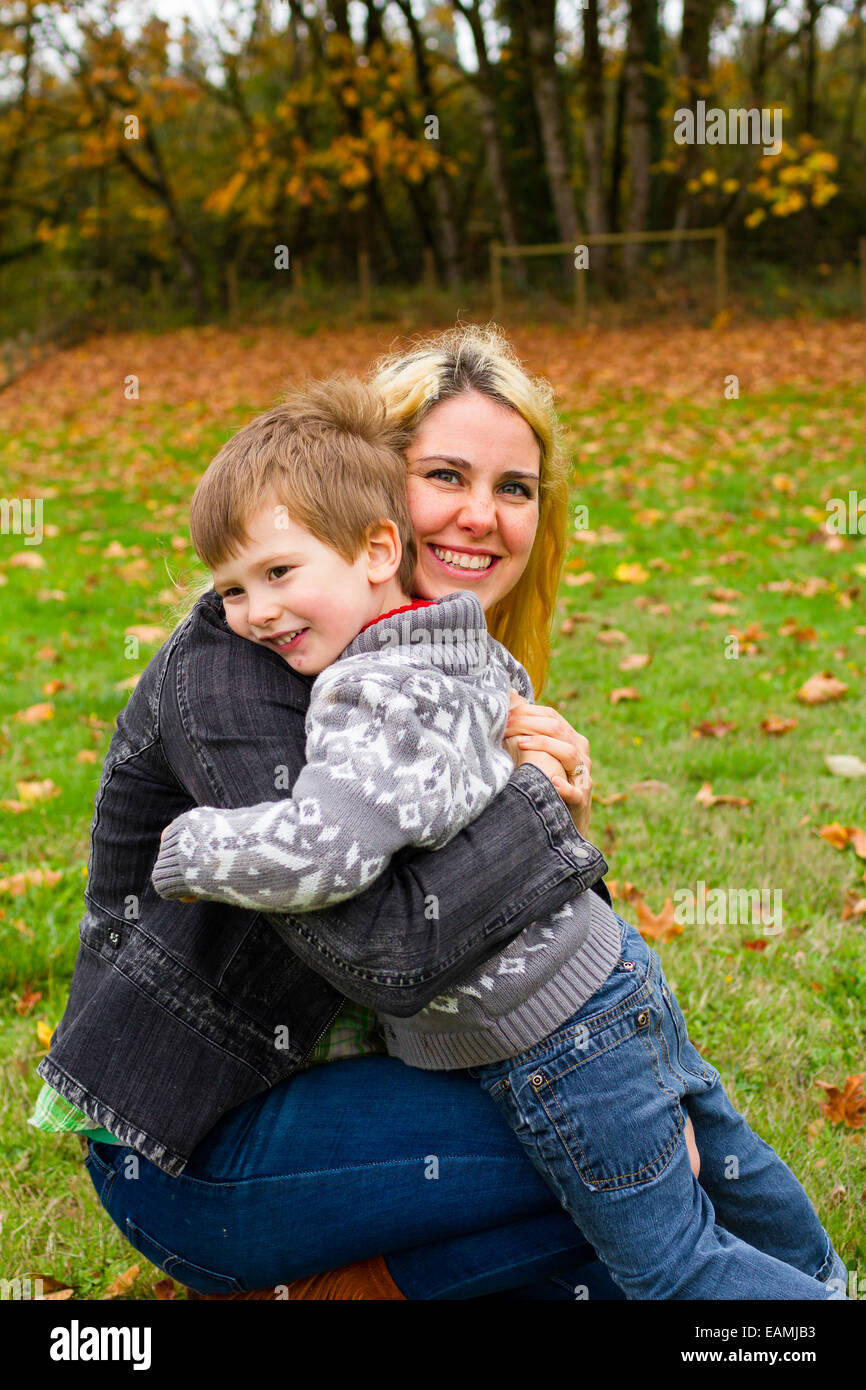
(348, 1160)
(599, 1107)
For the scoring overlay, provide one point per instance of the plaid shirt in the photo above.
(355, 1032)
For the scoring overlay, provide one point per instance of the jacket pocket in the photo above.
(184, 1271)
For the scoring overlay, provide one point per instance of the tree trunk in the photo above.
(540, 17)
(637, 119)
(694, 67)
(490, 132)
(439, 183)
(593, 75)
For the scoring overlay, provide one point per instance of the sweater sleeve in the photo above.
(375, 781)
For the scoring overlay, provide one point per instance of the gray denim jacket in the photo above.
(178, 1012)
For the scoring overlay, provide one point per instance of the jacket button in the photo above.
(643, 1018)
(114, 937)
(536, 1080)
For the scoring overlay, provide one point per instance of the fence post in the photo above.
(364, 280)
(495, 279)
(721, 269)
(580, 296)
(429, 270)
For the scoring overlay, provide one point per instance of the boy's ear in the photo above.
(384, 551)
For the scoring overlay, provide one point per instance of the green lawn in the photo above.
(684, 488)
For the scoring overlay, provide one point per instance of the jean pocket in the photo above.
(101, 1174)
(608, 1115)
(184, 1271)
(685, 1057)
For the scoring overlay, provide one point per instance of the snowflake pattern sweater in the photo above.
(404, 747)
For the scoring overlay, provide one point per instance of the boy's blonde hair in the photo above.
(329, 455)
(473, 358)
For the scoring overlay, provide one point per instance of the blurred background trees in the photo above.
(171, 158)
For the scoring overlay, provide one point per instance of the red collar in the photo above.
(407, 608)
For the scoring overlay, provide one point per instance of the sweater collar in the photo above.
(449, 633)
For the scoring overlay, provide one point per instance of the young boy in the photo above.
(571, 1028)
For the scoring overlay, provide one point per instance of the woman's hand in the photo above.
(544, 730)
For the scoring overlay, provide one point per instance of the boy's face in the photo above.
(291, 592)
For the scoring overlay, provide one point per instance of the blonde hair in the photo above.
(469, 357)
(327, 454)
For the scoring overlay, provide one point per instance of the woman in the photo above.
(191, 1032)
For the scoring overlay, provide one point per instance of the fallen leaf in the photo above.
(845, 765)
(165, 1290)
(650, 785)
(86, 755)
(25, 1002)
(705, 798)
(35, 714)
(19, 883)
(713, 730)
(776, 726)
(837, 835)
(611, 636)
(820, 688)
(846, 1106)
(635, 661)
(760, 944)
(657, 927)
(631, 574)
(627, 692)
(146, 634)
(44, 1033)
(122, 1282)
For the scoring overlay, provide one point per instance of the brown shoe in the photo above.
(366, 1279)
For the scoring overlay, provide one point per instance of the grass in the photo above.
(684, 486)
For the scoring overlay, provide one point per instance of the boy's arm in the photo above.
(375, 780)
(232, 714)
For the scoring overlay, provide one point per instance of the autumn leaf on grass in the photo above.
(86, 755)
(649, 785)
(625, 890)
(791, 628)
(47, 654)
(29, 793)
(44, 1033)
(624, 692)
(846, 1106)
(657, 927)
(705, 798)
(27, 560)
(35, 714)
(148, 635)
(54, 687)
(123, 1282)
(610, 800)
(820, 688)
(708, 729)
(165, 1290)
(52, 1289)
(776, 726)
(838, 835)
(760, 944)
(845, 765)
(635, 661)
(19, 883)
(631, 574)
(575, 580)
(853, 906)
(26, 1001)
(611, 636)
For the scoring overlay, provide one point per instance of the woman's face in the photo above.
(473, 497)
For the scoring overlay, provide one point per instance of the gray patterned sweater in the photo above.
(404, 747)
